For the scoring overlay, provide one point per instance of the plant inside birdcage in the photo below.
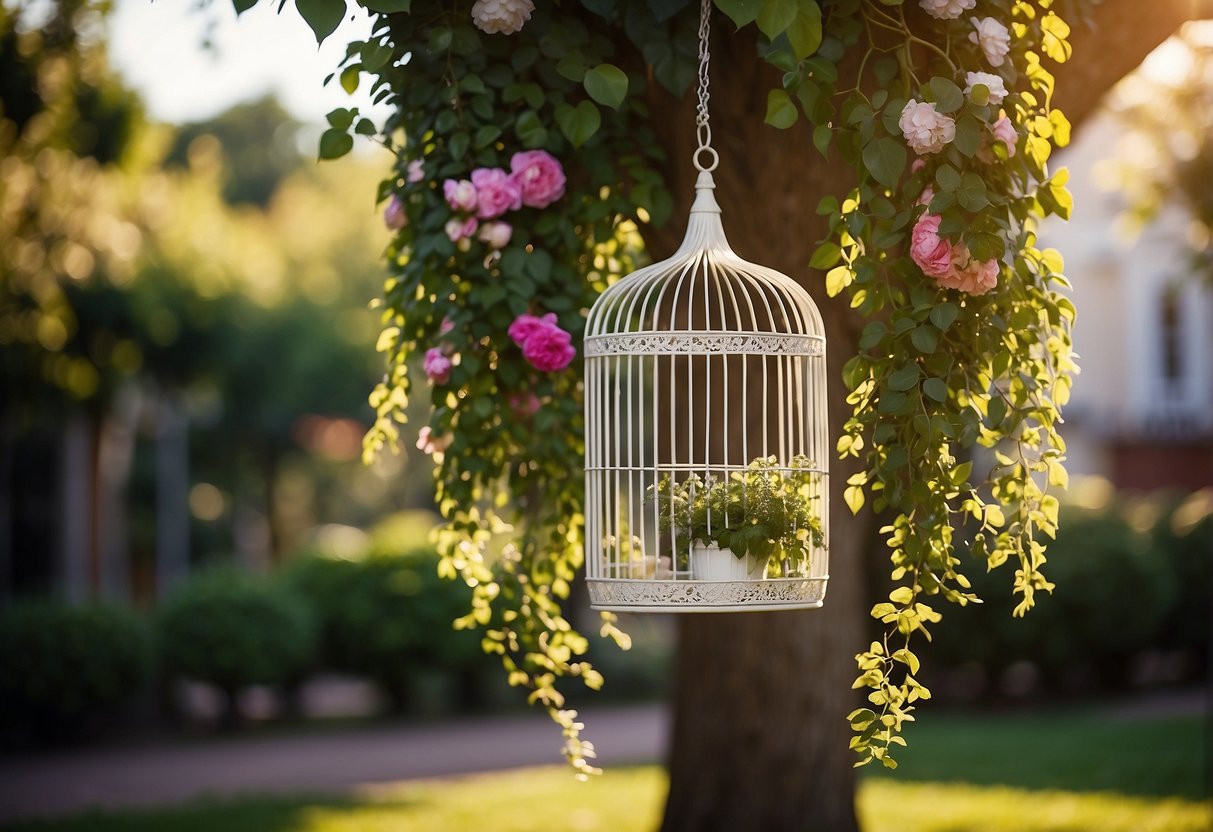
(763, 518)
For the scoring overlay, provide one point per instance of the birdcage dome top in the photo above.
(706, 298)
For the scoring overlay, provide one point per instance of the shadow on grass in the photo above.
(1077, 752)
(244, 814)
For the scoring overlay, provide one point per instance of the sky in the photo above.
(158, 48)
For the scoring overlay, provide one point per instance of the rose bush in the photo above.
(942, 113)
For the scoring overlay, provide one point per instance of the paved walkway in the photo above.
(318, 761)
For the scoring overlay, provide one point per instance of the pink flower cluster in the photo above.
(535, 179)
(437, 363)
(544, 344)
(951, 264)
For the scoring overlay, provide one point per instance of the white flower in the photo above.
(992, 82)
(946, 9)
(496, 234)
(992, 37)
(504, 16)
(926, 130)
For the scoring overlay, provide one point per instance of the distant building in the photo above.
(1142, 409)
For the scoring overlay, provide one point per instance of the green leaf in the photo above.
(607, 84)
(578, 123)
(968, 135)
(885, 158)
(776, 16)
(376, 55)
(821, 139)
(936, 388)
(335, 143)
(242, 6)
(740, 12)
(948, 178)
(948, 97)
(925, 338)
(904, 379)
(341, 118)
(386, 6)
(781, 112)
(944, 314)
(323, 16)
(349, 78)
(486, 135)
(530, 129)
(365, 127)
(805, 32)
(826, 256)
(457, 144)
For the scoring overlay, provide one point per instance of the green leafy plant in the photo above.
(388, 616)
(234, 630)
(65, 667)
(764, 512)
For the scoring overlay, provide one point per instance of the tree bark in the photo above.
(759, 739)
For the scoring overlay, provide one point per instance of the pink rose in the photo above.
(460, 194)
(496, 191)
(543, 342)
(393, 215)
(549, 349)
(431, 444)
(525, 326)
(524, 405)
(446, 326)
(976, 277)
(928, 193)
(496, 234)
(1004, 131)
(932, 253)
(459, 230)
(416, 171)
(917, 165)
(437, 366)
(539, 176)
(926, 130)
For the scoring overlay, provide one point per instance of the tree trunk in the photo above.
(759, 740)
(759, 736)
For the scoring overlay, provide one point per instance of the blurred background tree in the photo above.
(168, 294)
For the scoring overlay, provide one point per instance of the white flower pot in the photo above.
(711, 563)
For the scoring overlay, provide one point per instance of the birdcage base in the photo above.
(711, 563)
(623, 595)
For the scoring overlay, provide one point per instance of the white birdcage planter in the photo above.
(705, 415)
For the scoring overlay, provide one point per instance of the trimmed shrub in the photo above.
(389, 617)
(1183, 536)
(234, 630)
(65, 668)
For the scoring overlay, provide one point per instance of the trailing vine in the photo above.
(525, 164)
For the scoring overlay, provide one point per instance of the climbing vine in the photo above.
(525, 165)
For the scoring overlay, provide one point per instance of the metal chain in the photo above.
(703, 130)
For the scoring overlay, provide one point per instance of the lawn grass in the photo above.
(629, 800)
(1057, 772)
(1076, 750)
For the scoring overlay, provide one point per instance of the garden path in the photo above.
(320, 760)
